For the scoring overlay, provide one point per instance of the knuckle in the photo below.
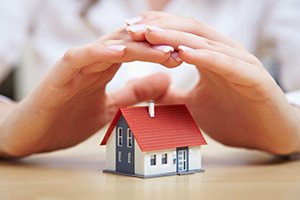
(69, 55)
(90, 51)
(139, 92)
(211, 43)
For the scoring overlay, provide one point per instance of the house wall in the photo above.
(139, 167)
(195, 158)
(160, 168)
(111, 151)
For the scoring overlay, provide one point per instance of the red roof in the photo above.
(172, 127)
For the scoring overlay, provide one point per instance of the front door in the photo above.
(182, 159)
(124, 148)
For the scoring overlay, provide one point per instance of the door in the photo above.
(124, 148)
(182, 159)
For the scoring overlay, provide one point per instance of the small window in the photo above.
(153, 160)
(119, 156)
(120, 136)
(129, 138)
(129, 157)
(164, 159)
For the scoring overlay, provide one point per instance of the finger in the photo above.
(154, 87)
(138, 51)
(144, 89)
(75, 59)
(233, 69)
(143, 51)
(156, 35)
(137, 32)
(186, 24)
(145, 16)
(173, 61)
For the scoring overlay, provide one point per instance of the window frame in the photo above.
(120, 136)
(129, 138)
(153, 160)
(164, 159)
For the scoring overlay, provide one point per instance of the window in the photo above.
(153, 160)
(129, 138)
(129, 157)
(120, 136)
(164, 159)
(119, 156)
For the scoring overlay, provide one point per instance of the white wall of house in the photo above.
(160, 168)
(195, 158)
(139, 164)
(111, 151)
(142, 159)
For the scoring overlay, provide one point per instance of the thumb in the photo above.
(138, 90)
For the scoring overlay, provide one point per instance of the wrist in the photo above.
(6, 108)
(296, 109)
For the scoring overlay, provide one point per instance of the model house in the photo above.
(153, 141)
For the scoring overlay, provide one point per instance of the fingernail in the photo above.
(185, 48)
(117, 47)
(137, 28)
(163, 48)
(133, 20)
(155, 28)
(175, 56)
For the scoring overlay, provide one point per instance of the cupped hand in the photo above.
(70, 104)
(236, 101)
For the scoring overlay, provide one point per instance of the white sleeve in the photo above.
(282, 30)
(15, 18)
(5, 99)
(293, 97)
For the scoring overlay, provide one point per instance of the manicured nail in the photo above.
(185, 48)
(163, 48)
(137, 28)
(155, 28)
(175, 56)
(117, 47)
(133, 20)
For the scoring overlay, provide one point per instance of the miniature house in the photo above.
(153, 141)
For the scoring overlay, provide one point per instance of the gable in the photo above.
(172, 127)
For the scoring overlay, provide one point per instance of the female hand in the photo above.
(70, 104)
(236, 101)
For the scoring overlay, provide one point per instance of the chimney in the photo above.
(151, 108)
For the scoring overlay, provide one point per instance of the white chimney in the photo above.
(151, 108)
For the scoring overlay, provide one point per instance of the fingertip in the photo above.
(133, 20)
(186, 49)
(173, 61)
(137, 32)
(176, 57)
(187, 54)
(163, 48)
(137, 28)
(156, 35)
(117, 48)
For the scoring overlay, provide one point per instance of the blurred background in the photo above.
(36, 33)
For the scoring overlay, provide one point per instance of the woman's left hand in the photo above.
(236, 101)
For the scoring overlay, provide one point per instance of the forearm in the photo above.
(6, 107)
(297, 116)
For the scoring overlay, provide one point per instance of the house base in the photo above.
(154, 175)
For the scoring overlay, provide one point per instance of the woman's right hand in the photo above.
(70, 104)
